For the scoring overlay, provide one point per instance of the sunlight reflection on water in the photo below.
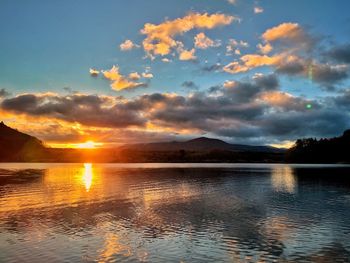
(283, 179)
(87, 176)
(105, 213)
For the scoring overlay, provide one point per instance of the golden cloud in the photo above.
(187, 54)
(283, 31)
(160, 38)
(203, 42)
(134, 76)
(251, 61)
(120, 82)
(265, 49)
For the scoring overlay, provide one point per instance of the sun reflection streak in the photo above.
(87, 176)
(283, 179)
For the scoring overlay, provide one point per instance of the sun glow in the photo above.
(87, 145)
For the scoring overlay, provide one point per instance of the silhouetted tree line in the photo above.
(310, 150)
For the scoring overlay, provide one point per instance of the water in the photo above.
(174, 213)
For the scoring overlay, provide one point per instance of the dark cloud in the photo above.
(315, 123)
(245, 91)
(342, 101)
(4, 93)
(250, 111)
(340, 53)
(212, 68)
(190, 85)
(292, 68)
(85, 109)
(326, 75)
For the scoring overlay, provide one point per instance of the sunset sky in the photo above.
(115, 72)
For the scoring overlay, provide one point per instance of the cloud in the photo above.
(190, 85)
(166, 60)
(128, 45)
(246, 111)
(340, 53)
(216, 67)
(247, 91)
(203, 42)
(120, 82)
(187, 54)
(94, 72)
(291, 31)
(160, 39)
(134, 76)
(251, 61)
(233, 46)
(265, 49)
(341, 101)
(292, 56)
(232, 2)
(258, 10)
(90, 110)
(4, 93)
(325, 74)
(147, 75)
(328, 75)
(289, 34)
(285, 101)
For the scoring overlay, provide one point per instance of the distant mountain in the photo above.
(325, 150)
(18, 146)
(200, 144)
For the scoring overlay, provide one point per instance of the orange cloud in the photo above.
(251, 61)
(203, 42)
(284, 101)
(134, 76)
(276, 98)
(160, 39)
(120, 82)
(283, 31)
(187, 54)
(265, 49)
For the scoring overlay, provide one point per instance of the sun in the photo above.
(87, 145)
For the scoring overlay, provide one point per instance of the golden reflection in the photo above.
(283, 179)
(112, 247)
(87, 176)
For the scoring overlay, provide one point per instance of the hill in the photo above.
(15, 145)
(200, 144)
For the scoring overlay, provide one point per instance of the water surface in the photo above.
(174, 213)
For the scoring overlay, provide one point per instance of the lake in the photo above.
(174, 213)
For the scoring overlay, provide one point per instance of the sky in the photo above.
(116, 72)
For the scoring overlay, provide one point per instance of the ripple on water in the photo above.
(74, 213)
